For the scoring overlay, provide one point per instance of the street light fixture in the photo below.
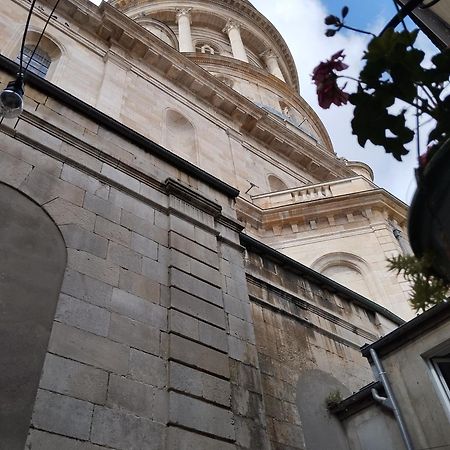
(11, 99)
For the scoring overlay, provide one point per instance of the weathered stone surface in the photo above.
(179, 439)
(120, 177)
(198, 415)
(89, 348)
(124, 257)
(86, 288)
(131, 396)
(63, 212)
(135, 334)
(83, 315)
(145, 227)
(78, 238)
(241, 329)
(198, 355)
(63, 415)
(84, 181)
(13, 171)
(196, 287)
(140, 286)
(93, 266)
(139, 309)
(102, 207)
(74, 379)
(123, 431)
(144, 246)
(199, 384)
(156, 270)
(147, 368)
(198, 252)
(112, 231)
(40, 440)
(197, 307)
(133, 205)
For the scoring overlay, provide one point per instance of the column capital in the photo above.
(184, 12)
(268, 54)
(231, 24)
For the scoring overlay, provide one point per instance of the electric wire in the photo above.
(41, 36)
(27, 24)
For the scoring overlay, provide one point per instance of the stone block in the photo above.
(207, 273)
(241, 329)
(84, 181)
(140, 286)
(238, 308)
(205, 238)
(213, 336)
(89, 348)
(135, 334)
(182, 227)
(86, 288)
(43, 188)
(144, 227)
(156, 270)
(123, 431)
(112, 231)
(179, 439)
(76, 237)
(198, 252)
(197, 307)
(196, 287)
(198, 415)
(144, 246)
(131, 396)
(133, 205)
(83, 315)
(13, 171)
(197, 355)
(242, 351)
(124, 257)
(199, 384)
(40, 440)
(38, 135)
(74, 379)
(147, 368)
(183, 324)
(120, 177)
(64, 212)
(102, 207)
(139, 309)
(63, 415)
(93, 266)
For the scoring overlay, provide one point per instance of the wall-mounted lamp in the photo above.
(11, 99)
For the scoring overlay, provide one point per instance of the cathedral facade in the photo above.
(187, 263)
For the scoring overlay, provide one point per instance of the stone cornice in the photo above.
(245, 9)
(145, 49)
(294, 214)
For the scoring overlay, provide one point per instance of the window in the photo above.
(441, 368)
(38, 61)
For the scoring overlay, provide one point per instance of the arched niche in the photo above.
(180, 136)
(159, 29)
(349, 270)
(276, 184)
(32, 264)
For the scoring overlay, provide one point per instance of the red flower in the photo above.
(324, 77)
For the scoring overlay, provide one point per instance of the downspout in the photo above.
(390, 401)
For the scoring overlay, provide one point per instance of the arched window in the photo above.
(276, 184)
(41, 60)
(180, 135)
(36, 60)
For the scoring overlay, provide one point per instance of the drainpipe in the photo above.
(390, 401)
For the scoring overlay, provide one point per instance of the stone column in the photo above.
(271, 62)
(184, 30)
(232, 28)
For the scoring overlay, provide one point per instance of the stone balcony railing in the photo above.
(313, 192)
